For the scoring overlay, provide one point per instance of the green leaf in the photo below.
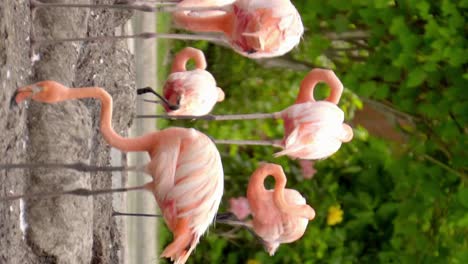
(382, 92)
(463, 221)
(462, 196)
(387, 209)
(416, 77)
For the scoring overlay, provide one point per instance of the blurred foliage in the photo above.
(402, 202)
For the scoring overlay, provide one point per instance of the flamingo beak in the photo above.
(13, 103)
(24, 93)
(166, 103)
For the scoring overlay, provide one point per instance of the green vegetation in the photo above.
(404, 201)
(163, 25)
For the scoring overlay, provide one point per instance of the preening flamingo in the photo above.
(280, 215)
(253, 28)
(185, 166)
(312, 129)
(315, 130)
(193, 92)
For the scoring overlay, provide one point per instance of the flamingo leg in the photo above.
(77, 192)
(223, 218)
(78, 166)
(275, 115)
(144, 35)
(272, 143)
(115, 213)
(146, 7)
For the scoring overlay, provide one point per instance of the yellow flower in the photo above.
(253, 261)
(335, 215)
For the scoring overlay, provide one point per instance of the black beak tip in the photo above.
(13, 104)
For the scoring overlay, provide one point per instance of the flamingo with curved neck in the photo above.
(194, 91)
(185, 166)
(315, 76)
(280, 215)
(315, 129)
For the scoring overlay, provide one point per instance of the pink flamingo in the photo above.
(185, 166)
(253, 28)
(312, 129)
(193, 92)
(280, 215)
(315, 130)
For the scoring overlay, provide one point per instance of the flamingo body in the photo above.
(188, 186)
(277, 228)
(313, 130)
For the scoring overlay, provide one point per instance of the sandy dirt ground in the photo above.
(63, 229)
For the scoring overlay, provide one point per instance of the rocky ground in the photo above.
(63, 229)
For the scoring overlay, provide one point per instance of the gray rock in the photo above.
(63, 229)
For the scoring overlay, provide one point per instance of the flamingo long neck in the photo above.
(114, 139)
(256, 187)
(181, 59)
(220, 23)
(306, 91)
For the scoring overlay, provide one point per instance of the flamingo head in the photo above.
(45, 92)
